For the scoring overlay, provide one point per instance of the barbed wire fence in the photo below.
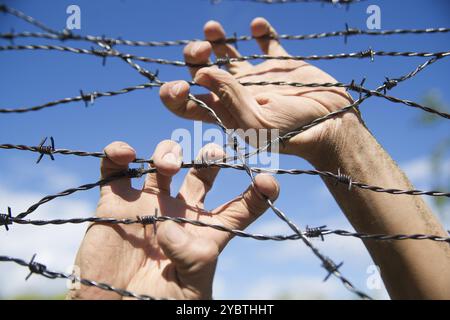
(106, 47)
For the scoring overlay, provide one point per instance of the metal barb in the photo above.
(146, 220)
(136, 172)
(344, 179)
(389, 84)
(149, 220)
(46, 150)
(6, 219)
(331, 267)
(349, 32)
(368, 54)
(235, 40)
(315, 232)
(35, 267)
(66, 34)
(89, 98)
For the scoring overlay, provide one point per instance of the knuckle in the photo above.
(226, 95)
(254, 203)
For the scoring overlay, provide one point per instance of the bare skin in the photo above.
(410, 269)
(169, 260)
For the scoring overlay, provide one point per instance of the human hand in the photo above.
(176, 261)
(242, 107)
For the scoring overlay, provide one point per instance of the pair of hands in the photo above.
(178, 261)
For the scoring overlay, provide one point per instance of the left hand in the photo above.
(260, 107)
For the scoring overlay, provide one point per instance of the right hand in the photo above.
(167, 260)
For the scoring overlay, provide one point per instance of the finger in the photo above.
(215, 33)
(242, 211)
(118, 156)
(197, 52)
(199, 181)
(175, 94)
(195, 258)
(167, 160)
(266, 35)
(234, 98)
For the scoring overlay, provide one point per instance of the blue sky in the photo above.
(247, 268)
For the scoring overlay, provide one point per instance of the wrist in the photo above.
(330, 140)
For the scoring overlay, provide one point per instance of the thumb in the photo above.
(234, 97)
(194, 258)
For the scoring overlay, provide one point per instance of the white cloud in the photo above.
(347, 249)
(55, 246)
(45, 176)
(417, 170)
(219, 287)
(272, 227)
(421, 174)
(420, 171)
(293, 250)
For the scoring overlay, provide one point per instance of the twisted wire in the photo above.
(86, 97)
(224, 61)
(43, 270)
(310, 232)
(90, 97)
(131, 173)
(19, 14)
(385, 237)
(226, 165)
(230, 40)
(180, 220)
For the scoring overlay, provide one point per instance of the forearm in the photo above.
(411, 269)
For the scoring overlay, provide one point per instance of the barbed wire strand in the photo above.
(43, 270)
(226, 165)
(348, 32)
(150, 219)
(90, 97)
(225, 61)
(19, 14)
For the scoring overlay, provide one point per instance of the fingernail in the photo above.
(211, 155)
(195, 47)
(175, 156)
(214, 153)
(175, 89)
(170, 158)
(178, 151)
(175, 234)
(127, 147)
